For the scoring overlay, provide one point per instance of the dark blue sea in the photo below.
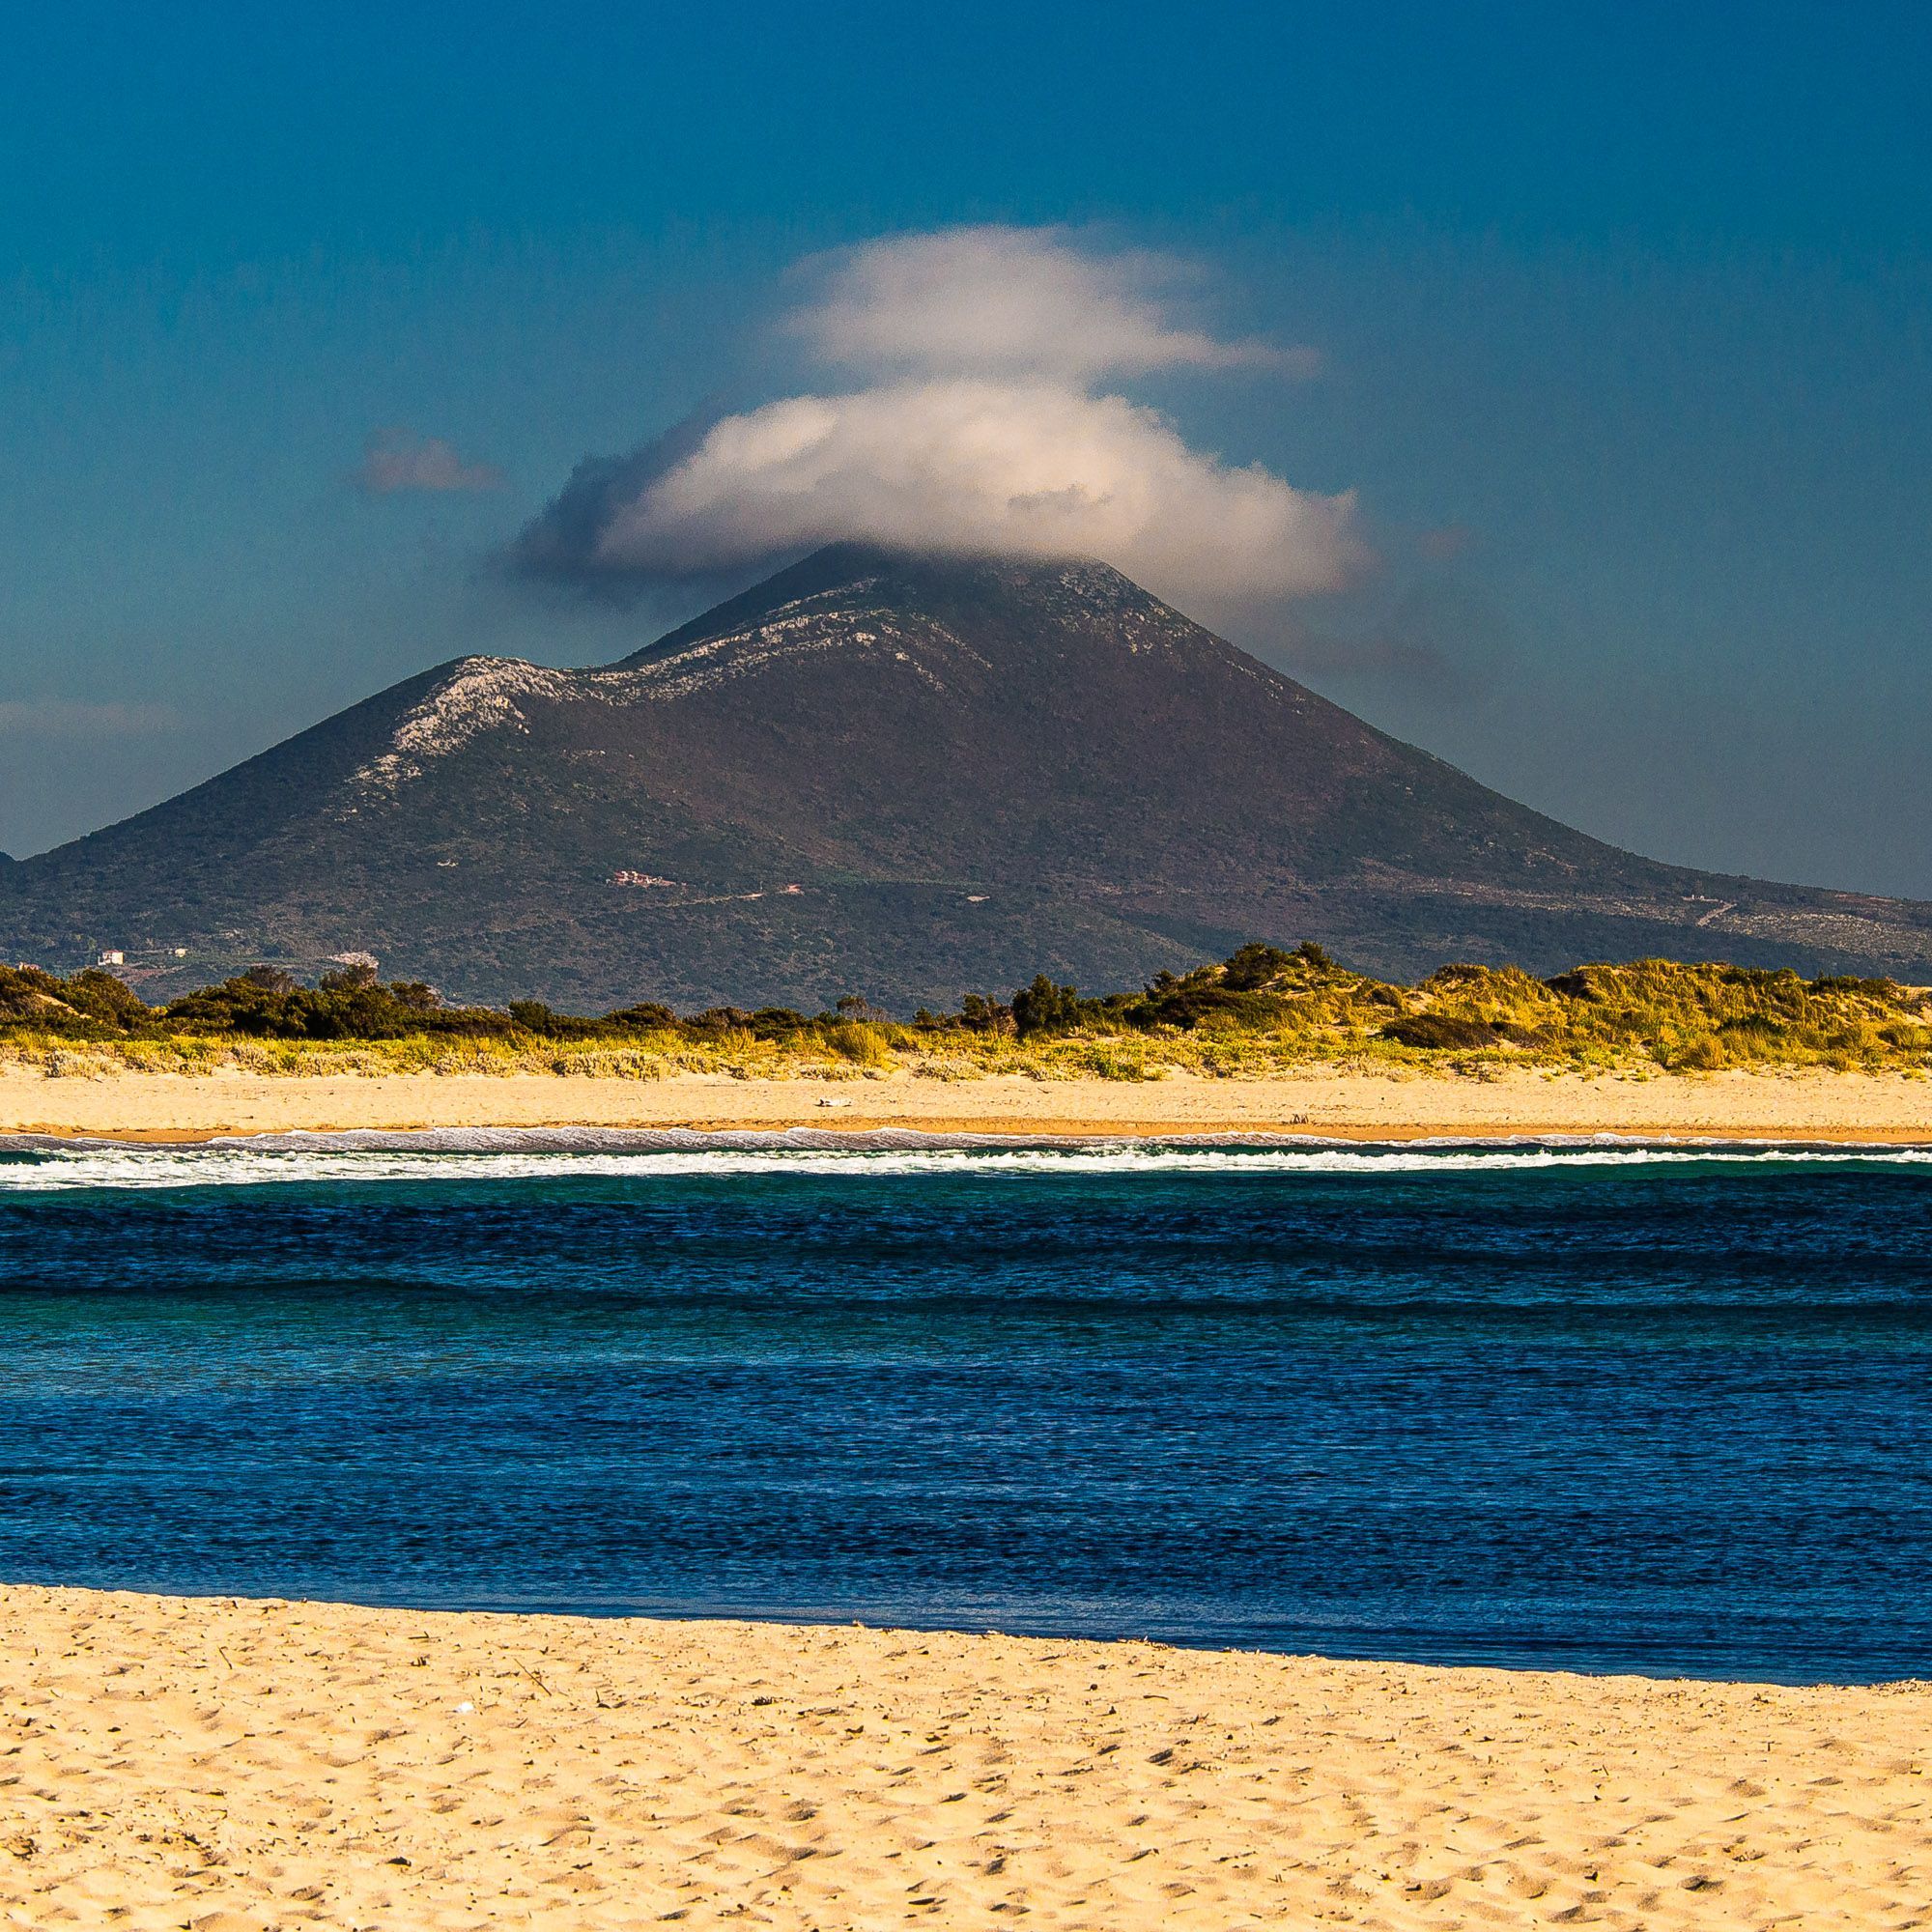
(1595, 1407)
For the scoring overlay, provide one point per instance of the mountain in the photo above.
(907, 776)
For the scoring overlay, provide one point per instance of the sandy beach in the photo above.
(1808, 1104)
(232, 1767)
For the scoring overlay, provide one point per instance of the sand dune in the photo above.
(232, 1767)
(1321, 1100)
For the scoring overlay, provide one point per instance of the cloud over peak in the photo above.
(979, 427)
(1011, 300)
(1031, 468)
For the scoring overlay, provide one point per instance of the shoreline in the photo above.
(1318, 1104)
(328, 1765)
(982, 1133)
(820, 1623)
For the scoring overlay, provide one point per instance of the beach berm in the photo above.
(234, 1766)
(1791, 1104)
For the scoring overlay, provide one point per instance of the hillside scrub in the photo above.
(1261, 1010)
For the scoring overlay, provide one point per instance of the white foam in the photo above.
(42, 1166)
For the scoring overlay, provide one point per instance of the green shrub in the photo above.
(1440, 1031)
(1044, 1007)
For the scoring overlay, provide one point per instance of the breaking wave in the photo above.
(39, 1164)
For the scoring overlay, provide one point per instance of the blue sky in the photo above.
(1621, 312)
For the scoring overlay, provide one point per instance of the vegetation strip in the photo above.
(1259, 1012)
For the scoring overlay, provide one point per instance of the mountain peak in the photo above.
(852, 583)
(906, 774)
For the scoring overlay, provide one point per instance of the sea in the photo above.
(1590, 1404)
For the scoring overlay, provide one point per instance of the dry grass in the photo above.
(1649, 1016)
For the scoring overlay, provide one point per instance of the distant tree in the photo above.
(100, 996)
(646, 1016)
(977, 1014)
(92, 1004)
(347, 980)
(719, 1020)
(1255, 965)
(271, 978)
(1044, 1007)
(777, 1022)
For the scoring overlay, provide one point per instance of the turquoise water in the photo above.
(1591, 1407)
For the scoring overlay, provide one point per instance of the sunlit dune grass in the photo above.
(1260, 1013)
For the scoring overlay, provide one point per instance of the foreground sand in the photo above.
(234, 1767)
(1798, 1105)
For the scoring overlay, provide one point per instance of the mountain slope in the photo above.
(903, 775)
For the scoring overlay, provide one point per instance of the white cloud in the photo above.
(980, 426)
(1012, 300)
(1030, 467)
(394, 460)
(67, 718)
